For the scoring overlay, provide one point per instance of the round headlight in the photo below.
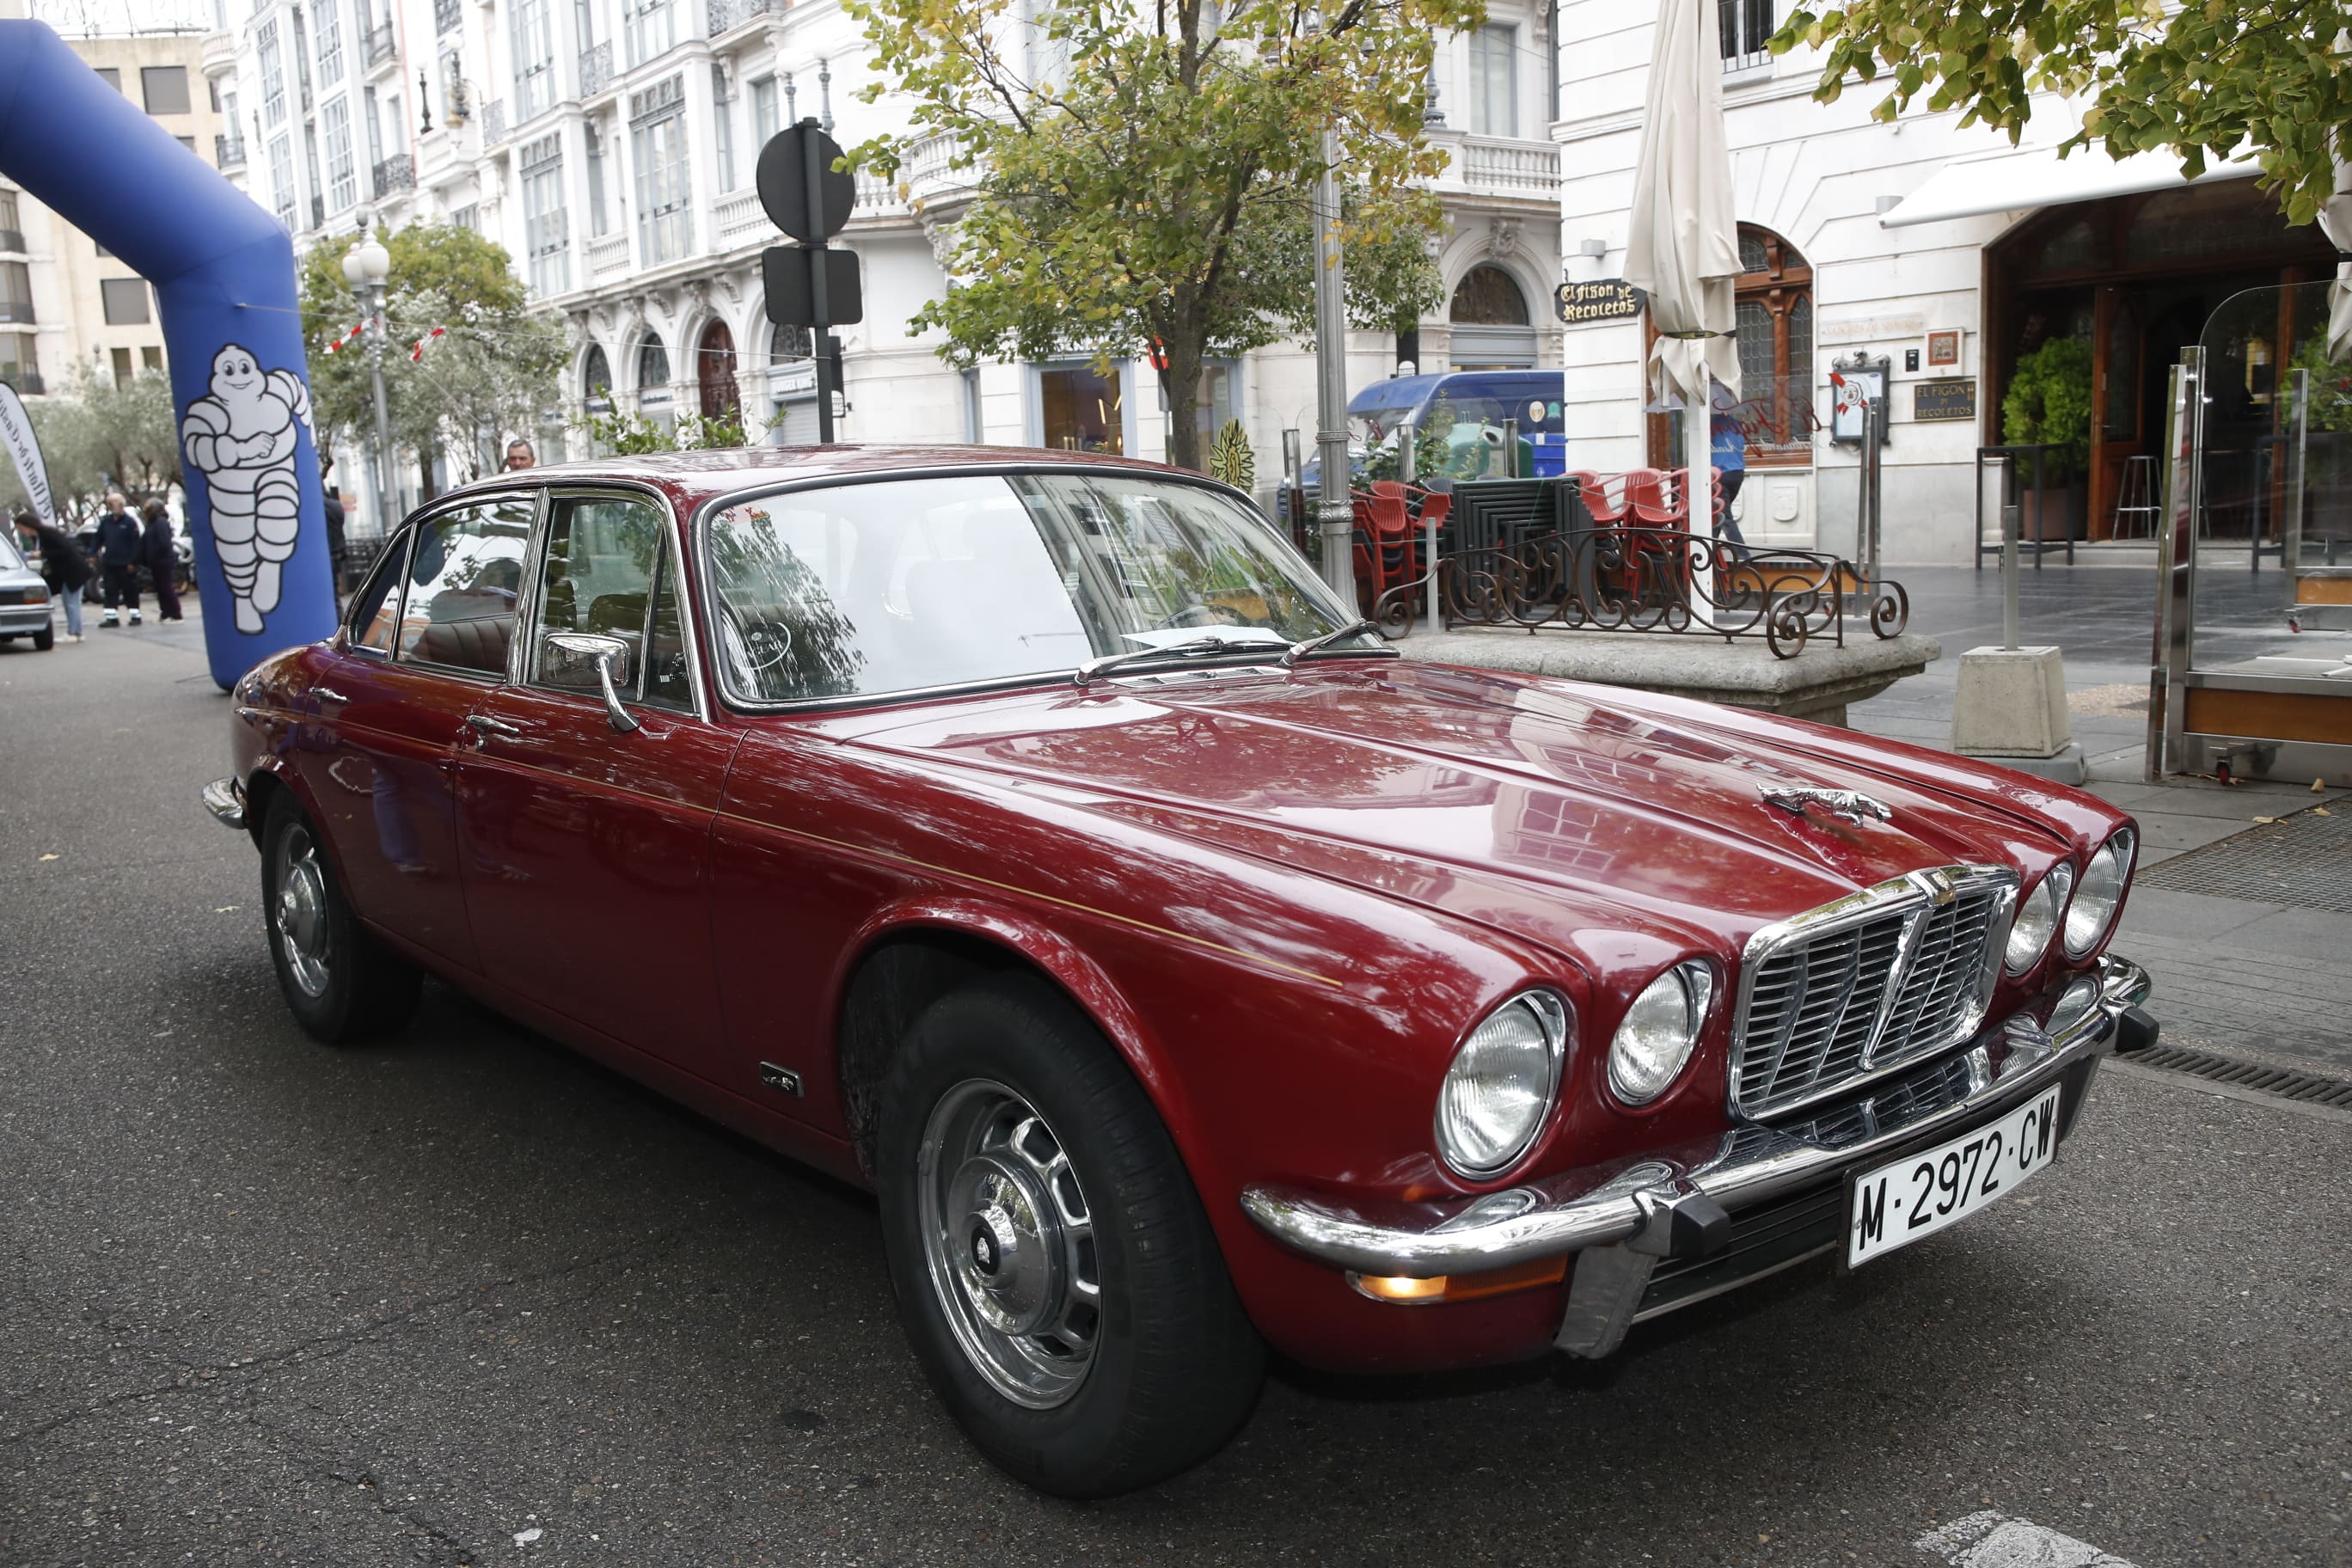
(1502, 1083)
(2098, 893)
(2037, 918)
(1659, 1030)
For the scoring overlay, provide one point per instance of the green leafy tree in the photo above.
(622, 433)
(1150, 188)
(491, 375)
(102, 436)
(2198, 79)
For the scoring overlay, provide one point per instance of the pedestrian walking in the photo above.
(163, 561)
(334, 509)
(63, 567)
(1729, 445)
(120, 543)
(520, 456)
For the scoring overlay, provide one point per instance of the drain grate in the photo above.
(2285, 1082)
(2304, 860)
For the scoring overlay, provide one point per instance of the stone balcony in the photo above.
(1499, 166)
(608, 255)
(219, 54)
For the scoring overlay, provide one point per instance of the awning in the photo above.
(2014, 182)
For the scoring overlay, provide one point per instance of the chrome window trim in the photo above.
(615, 490)
(699, 532)
(397, 541)
(1916, 892)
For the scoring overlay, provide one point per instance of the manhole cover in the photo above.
(2304, 860)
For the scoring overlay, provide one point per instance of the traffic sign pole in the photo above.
(817, 334)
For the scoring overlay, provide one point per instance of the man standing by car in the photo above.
(334, 509)
(120, 543)
(63, 565)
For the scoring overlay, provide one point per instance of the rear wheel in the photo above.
(341, 983)
(1052, 1265)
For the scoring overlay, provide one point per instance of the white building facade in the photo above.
(609, 146)
(1939, 251)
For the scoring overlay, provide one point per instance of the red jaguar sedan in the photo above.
(1032, 838)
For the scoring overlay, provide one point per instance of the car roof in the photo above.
(689, 478)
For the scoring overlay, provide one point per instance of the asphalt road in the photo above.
(262, 1301)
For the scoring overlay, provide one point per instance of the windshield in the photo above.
(11, 558)
(906, 584)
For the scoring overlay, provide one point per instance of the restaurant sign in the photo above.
(1952, 399)
(1607, 299)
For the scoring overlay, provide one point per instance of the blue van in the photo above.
(1481, 400)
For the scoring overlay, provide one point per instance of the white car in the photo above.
(24, 598)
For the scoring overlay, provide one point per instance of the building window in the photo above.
(1775, 302)
(599, 220)
(331, 43)
(152, 357)
(534, 55)
(164, 87)
(12, 230)
(545, 237)
(653, 378)
(1747, 31)
(596, 381)
(111, 76)
(764, 124)
(318, 185)
(469, 216)
(122, 368)
(273, 73)
(1488, 297)
(790, 344)
(302, 59)
(20, 365)
(714, 373)
(342, 181)
(649, 28)
(657, 146)
(125, 300)
(281, 180)
(446, 14)
(1080, 411)
(1494, 80)
(16, 292)
(722, 122)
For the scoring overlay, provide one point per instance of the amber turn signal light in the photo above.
(1403, 1290)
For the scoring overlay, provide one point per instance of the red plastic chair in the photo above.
(1604, 511)
(1653, 499)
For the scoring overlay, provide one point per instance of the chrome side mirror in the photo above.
(568, 655)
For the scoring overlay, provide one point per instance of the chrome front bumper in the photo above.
(225, 798)
(1674, 1202)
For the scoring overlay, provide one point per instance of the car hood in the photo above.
(1557, 811)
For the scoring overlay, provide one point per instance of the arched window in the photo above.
(788, 345)
(653, 370)
(714, 372)
(1488, 297)
(596, 381)
(1775, 303)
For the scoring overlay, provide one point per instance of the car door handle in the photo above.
(328, 694)
(484, 725)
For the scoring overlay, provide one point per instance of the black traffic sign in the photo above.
(791, 300)
(784, 172)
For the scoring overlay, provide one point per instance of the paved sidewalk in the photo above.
(2272, 978)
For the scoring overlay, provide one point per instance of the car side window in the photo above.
(465, 576)
(605, 560)
(374, 615)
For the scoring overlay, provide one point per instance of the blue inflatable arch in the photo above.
(223, 272)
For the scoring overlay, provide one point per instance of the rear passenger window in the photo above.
(374, 616)
(465, 576)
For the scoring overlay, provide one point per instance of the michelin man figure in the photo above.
(241, 435)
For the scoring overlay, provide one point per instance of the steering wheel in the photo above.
(1200, 616)
(755, 646)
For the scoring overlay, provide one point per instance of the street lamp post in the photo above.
(366, 266)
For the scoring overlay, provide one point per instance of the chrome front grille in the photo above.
(1867, 983)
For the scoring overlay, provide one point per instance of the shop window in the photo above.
(1081, 411)
(1775, 305)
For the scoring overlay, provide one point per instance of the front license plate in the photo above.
(1919, 1194)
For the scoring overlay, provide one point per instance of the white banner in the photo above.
(16, 433)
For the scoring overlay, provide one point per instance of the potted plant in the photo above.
(2048, 404)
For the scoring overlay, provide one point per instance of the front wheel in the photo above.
(341, 983)
(1051, 1262)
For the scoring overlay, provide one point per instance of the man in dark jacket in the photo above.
(63, 567)
(334, 508)
(120, 543)
(163, 561)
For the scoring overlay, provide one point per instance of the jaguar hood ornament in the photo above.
(1850, 804)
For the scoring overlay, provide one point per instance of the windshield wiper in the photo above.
(1200, 645)
(1299, 651)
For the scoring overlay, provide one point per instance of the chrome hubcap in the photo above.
(1009, 1244)
(300, 917)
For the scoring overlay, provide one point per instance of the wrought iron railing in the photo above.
(375, 45)
(395, 175)
(228, 152)
(725, 16)
(494, 122)
(318, 212)
(595, 70)
(1651, 580)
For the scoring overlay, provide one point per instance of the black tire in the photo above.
(45, 639)
(340, 982)
(1174, 1364)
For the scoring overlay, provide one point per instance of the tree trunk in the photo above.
(1181, 382)
(424, 490)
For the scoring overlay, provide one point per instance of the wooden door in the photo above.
(2118, 423)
